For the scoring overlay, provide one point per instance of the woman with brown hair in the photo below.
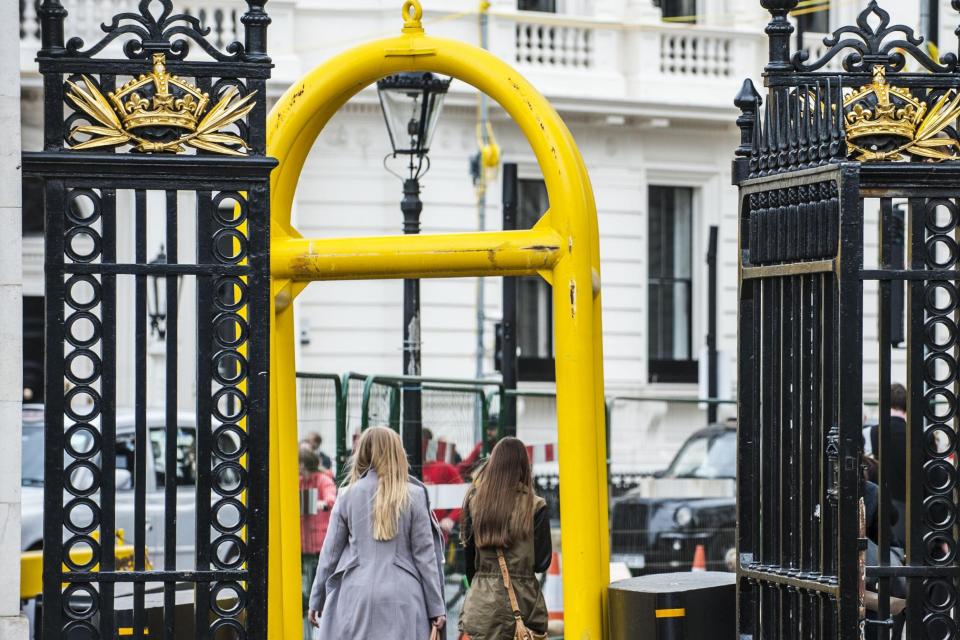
(380, 574)
(504, 519)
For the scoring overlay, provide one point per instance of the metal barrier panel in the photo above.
(117, 134)
(363, 403)
(455, 415)
(320, 407)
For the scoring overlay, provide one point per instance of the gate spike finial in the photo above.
(779, 30)
(52, 15)
(255, 22)
(748, 101)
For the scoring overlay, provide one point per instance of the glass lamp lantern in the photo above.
(157, 298)
(411, 104)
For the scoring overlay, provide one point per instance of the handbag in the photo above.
(521, 633)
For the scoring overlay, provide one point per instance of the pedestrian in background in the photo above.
(506, 534)
(380, 575)
(318, 493)
(468, 465)
(440, 472)
(894, 461)
(314, 441)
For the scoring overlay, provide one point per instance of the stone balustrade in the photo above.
(565, 56)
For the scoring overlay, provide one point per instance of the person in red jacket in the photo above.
(441, 472)
(318, 492)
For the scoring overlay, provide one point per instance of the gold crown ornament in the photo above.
(883, 122)
(158, 113)
(163, 109)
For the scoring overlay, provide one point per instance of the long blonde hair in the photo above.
(380, 449)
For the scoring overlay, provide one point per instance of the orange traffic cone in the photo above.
(699, 559)
(553, 594)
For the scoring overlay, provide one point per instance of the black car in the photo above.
(657, 526)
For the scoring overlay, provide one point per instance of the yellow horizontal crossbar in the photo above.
(452, 255)
(671, 613)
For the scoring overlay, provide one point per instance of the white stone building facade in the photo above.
(650, 103)
(13, 626)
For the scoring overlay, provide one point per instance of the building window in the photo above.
(547, 6)
(815, 20)
(678, 10)
(534, 296)
(670, 285)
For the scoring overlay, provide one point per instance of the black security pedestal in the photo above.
(674, 606)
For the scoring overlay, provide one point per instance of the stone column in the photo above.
(13, 626)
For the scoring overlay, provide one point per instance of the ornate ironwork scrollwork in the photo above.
(868, 46)
(168, 33)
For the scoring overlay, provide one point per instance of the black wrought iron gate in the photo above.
(837, 148)
(144, 147)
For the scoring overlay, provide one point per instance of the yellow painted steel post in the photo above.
(566, 252)
(284, 582)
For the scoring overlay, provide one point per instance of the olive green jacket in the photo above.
(486, 611)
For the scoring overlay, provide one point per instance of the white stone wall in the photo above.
(12, 625)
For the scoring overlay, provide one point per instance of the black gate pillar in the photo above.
(124, 117)
(835, 147)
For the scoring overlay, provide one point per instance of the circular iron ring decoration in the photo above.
(227, 324)
(84, 390)
(238, 546)
(95, 478)
(930, 219)
(77, 280)
(75, 542)
(79, 429)
(95, 329)
(930, 330)
(73, 207)
(235, 435)
(95, 365)
(95, 516)
(238, 211)
(240, 601)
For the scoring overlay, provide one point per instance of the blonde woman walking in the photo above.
(506, 535)
(380, 574)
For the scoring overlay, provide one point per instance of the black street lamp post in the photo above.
(411, 105)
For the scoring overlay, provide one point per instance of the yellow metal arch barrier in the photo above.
(563, 247)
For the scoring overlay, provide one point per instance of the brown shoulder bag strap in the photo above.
(514, 605)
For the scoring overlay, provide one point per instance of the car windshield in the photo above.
(707, 457)
(31, 470)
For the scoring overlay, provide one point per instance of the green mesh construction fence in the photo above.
(319, 407)
(364, 404)
(454, 415)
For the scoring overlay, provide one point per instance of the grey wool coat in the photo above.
(367, 589)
